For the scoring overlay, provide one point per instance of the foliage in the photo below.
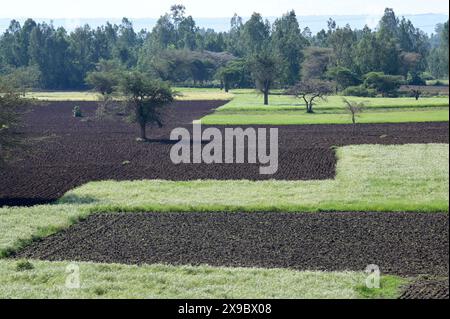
(289, 44)
(387, 85)
(12, 106)
(310, 90)
(76, 111)
(359, 90)
(24, 265)
(23, 79)
(177, 50)
(343, 77)
(316, 63)
(264, 69)
(144, 98)
(354, 108)
(105, 78)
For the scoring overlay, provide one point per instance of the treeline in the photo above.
(38, 55)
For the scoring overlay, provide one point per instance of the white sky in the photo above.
(210, 8)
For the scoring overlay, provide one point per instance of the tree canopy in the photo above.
(179, 51)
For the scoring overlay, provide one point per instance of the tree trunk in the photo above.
(143, 131)
(266, 98)
(309, 108)
(227, 87)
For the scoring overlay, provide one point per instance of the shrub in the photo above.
(427, 76)
(24, 265)
(416, 79)
(360, 90)
(76, 111)
(387, 85)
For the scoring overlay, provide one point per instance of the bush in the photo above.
(387, 85)
(76, 111)
(416, 79)
(360, 90)
(24, 265)
(427, 76)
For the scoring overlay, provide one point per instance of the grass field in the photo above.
(184, 94)
(299, 117)
(247, 108)
(47, 280)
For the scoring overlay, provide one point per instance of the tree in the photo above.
(366, 52)
(264, 69)
(144, 98)
(289, 43)
(343, 40)
(353, 108)
(316, 63)
(410, 65)
(310, 90)
(12, 106)
(343, 77)
(416, 93)
(23, 79)
(438, 60)
(384, 84)
(105, 80)
(255, 34)
(234, 74)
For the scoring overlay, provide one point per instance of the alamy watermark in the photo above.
(260, 145)
(73, 277)
(373, 277)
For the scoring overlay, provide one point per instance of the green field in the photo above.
(184, 94)
(47, 280)
(247, 108)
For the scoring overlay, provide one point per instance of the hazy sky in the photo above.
(210, 8)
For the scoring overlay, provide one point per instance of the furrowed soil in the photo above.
(406, 244)
(427, 288)
(63, 152)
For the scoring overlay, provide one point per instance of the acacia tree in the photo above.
(104, 80)
(353, 108)
(11, 108)
(229, 75)
(310, 90)
(144, 99)
(264, 68)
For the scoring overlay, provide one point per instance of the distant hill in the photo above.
(426, 22)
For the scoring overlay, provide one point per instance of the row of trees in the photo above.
(177, 50)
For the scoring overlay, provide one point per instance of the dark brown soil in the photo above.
(406, 244)
(427, 289)
(65, 152)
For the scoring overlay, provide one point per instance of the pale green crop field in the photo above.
(184, 94)
(300, 117)
(247, 108)
(47, 280)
